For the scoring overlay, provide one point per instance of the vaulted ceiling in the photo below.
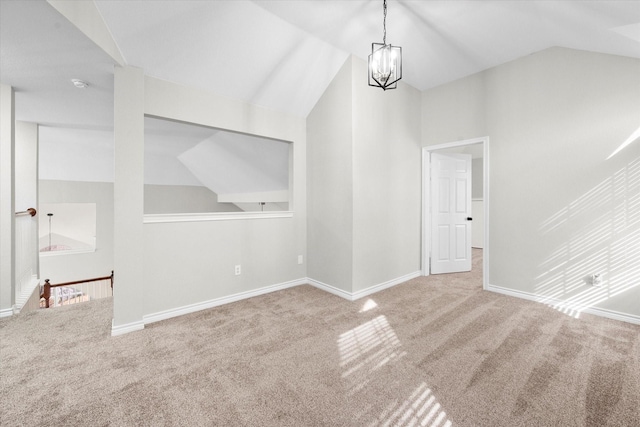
(278, 54)
(283, 54)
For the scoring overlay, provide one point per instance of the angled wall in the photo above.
(330, 184)
(364, 197)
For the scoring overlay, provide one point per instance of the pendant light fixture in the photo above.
(385, 61)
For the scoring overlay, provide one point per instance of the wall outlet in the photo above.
(238, 270)
(299, 259)
(596, 279)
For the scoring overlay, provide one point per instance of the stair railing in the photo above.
(76, 294)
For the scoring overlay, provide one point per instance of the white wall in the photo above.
(161, 199)
(26, 167)
(477, 179)
(330, 184)
(193, 262)
(7, 200)
(72, 224)
(364, 182)
(76, 154)
(454, 111)
(477, 203)
(560, 210)
(386, 181)
(128, 199)
(71, 267)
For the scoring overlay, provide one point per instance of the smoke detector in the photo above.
(80, 84)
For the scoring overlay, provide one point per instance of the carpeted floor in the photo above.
(434, 351)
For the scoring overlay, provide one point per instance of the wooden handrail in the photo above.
(46, 294)
(78, 281)
(30, 211)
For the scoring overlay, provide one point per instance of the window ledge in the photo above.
(213, 216)
(66, 252)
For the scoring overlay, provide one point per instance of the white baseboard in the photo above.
(6, 312)
(192, 308)
(353, 296)
(602, 312)
(381, 286)
(126, 328)
(331, 289)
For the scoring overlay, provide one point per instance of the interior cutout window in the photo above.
(66, 228)
(196, 169)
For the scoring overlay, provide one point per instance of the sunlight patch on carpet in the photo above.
(367, 348)
(368, 305)
(420, 409)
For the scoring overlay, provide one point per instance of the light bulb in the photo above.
(382, 64)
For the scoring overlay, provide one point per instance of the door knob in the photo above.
(469, 218)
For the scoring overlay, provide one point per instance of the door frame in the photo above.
(426, 202)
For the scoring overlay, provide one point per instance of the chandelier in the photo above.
(385, 61)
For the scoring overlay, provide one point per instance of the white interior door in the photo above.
(450, 213)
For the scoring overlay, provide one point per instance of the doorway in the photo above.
(481, 219)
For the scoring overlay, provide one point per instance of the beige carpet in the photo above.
(432, 351)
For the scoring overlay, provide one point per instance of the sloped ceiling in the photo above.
(283, 54)
(230, 163)
(278, 54)
(227, 163)
(236, 49)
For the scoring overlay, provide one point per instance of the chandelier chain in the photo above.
(384, 23)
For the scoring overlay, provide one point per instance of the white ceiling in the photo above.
(40, 52)
(283, 54)
(278, 54)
